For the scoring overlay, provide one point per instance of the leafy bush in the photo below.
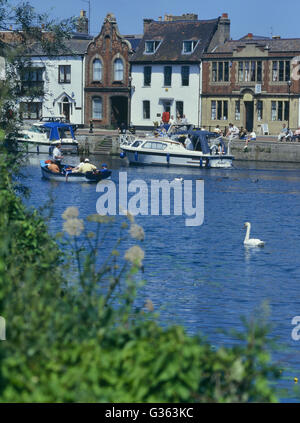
(73, 334)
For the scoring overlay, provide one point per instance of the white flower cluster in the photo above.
(72, 225)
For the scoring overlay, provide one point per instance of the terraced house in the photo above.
(166, 68)
(252, 82)
(107, 79)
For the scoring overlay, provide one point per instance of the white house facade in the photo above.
(166, 68)
(60, 80)
(158, 88)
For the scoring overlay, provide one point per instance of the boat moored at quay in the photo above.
(178, 146)
(42, 137)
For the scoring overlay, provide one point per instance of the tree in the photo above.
(31, 32)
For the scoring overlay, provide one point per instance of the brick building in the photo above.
(250, 83)
(107, 82)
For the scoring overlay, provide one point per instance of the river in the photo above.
(203, 277)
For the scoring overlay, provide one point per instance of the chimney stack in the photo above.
(147, 22)
(82, 24)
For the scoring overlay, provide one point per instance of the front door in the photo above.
(119, 111)
(66, 109)
(249, 110)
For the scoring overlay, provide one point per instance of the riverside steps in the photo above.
(266, 148)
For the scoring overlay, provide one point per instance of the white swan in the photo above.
(251, 242)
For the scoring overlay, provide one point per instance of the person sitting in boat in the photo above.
(86, 166)
(53, 167)
(57, 155)
(188, 144)
(76, 168)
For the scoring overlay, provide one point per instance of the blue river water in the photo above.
(203, 277)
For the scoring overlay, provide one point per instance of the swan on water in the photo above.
(254, 242)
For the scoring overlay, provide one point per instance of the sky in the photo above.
(260, 17)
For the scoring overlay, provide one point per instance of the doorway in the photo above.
(167, 106)
(66, 108)
(249, 114)
(119, 111)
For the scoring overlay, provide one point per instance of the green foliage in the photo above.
(33, 34)
(74, 335)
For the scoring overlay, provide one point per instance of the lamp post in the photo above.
(129, 102)
(289, 83)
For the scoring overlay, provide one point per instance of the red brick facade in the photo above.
(107, 96)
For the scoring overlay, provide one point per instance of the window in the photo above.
(155, 145)
(146, 109)
(259, 109)
(219, 110)
(97, 108)
(33, 75)
(250, 71)
(64, 74)
(151, 46)
(32, 82)
(280, 110)
(179, 108)
(31, 110)
(281, 71)
(147, 76)
(118, 70)
(97, 70)
(167, 76)
(220, 71)
(237, 110)
(189, 46)
(213, 110)
(185, 75)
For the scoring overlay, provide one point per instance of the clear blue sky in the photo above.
(261, 17)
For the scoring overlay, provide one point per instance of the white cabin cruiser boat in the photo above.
(169, 149)
(42, 137)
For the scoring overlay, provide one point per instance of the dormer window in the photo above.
(151, 46)
(189, 46)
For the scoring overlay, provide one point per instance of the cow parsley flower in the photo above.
(137, 232)
(70, 213)
(135, 255)
(73, 226)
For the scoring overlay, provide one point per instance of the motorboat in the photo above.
(42, 137)
(167, 147)
(66, 174)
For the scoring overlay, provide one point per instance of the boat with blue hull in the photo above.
(66, 174)
(42, 137)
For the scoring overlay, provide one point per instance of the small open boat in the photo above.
(66, 174)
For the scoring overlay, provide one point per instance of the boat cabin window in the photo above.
(137, 143)
(155, 145)
(64, 133)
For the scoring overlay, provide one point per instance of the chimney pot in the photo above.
(225, 15)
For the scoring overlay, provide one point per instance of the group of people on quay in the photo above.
(287, 134)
